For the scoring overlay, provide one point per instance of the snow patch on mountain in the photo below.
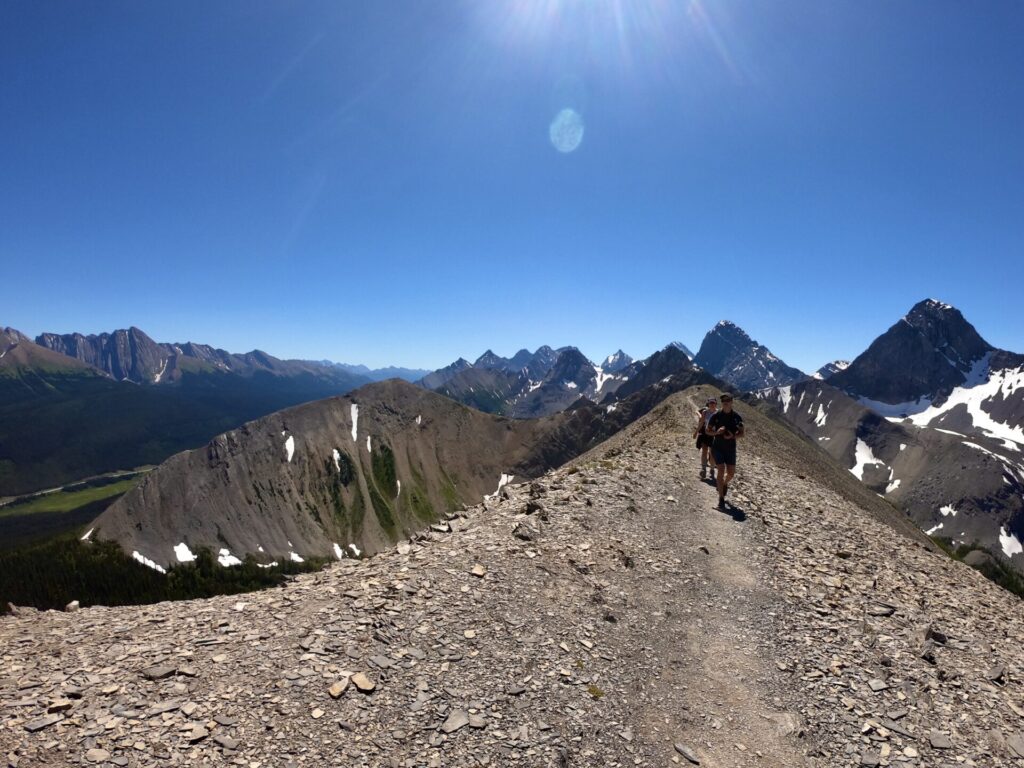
(863, 456)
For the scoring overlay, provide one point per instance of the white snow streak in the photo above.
(355, 550)
(785, 397)
(601, 378)
(1009, 542)
(502, 482)
(820, 418)
(183, 553)
(419, 419)
(339, 552)
(892, 486)
(355, 422)
(369, 447)
(289, 446)
(160, 374)
(948, 510)
(87, 535)
(148, 562)
(295, 558)
(337, 456)
(399, 488)
(930, 531)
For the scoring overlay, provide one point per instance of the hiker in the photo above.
(704, 439)
(724, 427)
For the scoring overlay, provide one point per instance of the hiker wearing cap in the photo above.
(704, 439)
(725, 427)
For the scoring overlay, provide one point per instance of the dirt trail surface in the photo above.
(605, 615)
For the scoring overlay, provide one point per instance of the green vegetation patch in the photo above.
(66, 501)
(52, 574)
(383, 511)
(384, 475)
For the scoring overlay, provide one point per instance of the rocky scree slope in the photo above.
(346, 476)
(603, 615)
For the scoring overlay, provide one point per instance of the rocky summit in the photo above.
(604, 614)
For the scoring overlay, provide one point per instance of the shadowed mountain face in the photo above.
(730, 354)
(929, 351)
(349, 474)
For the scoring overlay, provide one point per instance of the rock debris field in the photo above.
(603, 615)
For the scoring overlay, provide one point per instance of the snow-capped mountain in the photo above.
(730, 354)
(616, 362)
(551, 380)
(830, 369)
(930, 416)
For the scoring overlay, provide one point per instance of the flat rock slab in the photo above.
(158, 672)
(43, 722)
(459, 718)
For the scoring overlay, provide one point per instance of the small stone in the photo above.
(469, 634)
(686, 752)
(158, 672)
(60, 705)
(363, 683)
(197, 734)
(73, 606)
(317, 713)
(338, 688)
(458, 718)
(996, 674)
(97, 755)
(479, 571)
(939, 740)
(877, 685)
(870, 759)
(226, 741)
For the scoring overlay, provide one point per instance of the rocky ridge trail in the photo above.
(604, 615)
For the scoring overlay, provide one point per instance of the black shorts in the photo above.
(703, 440)
(724, 454)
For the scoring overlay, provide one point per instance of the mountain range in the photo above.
(930, 416)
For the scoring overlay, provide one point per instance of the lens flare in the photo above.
(566, 130)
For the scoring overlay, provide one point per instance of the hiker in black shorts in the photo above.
(704, 439)
(724, 427)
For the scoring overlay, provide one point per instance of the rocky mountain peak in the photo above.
(927, 352)
(729, 353)
(490, 360)
(616, 362)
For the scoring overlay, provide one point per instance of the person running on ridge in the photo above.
(724, 427)
(704, 440)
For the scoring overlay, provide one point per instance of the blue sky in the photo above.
(376, 182)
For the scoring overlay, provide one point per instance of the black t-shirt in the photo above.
(733, 422)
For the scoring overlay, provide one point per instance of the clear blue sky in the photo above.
(376, 181)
